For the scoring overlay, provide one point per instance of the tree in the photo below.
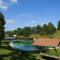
(51, 28)
(38, 29)
(33, 30)
(26, 31)
(44, 29)
(58, 26)
(19, 31)
(2, 23)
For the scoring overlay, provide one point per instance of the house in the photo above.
(51, 42)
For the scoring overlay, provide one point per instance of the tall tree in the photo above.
(58, 26)
(38, 29)
(44, 29)
(2, 23)
(19, 31)
(51, 28)
(26, 31)
(33, 30)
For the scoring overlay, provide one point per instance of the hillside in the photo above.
(57, 34)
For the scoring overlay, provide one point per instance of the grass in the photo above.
(53, 52)
(4, 51)
(57, 34)
(38, 36)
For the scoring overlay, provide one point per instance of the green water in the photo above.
(24, 45)
(24, 42)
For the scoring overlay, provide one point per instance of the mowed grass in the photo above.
(57, 34)
(38, 36)
(4, 51)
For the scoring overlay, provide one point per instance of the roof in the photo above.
(47, 42)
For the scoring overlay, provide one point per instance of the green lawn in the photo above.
(4, 51)
(57, 34)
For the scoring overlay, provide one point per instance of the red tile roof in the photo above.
(46, 42)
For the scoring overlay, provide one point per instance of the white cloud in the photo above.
(32, 21)
(10, 21)
(44, 23)
(14, 1)
(3, 5)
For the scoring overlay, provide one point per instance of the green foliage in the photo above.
(26, 31)
(58, 26)
(51, 28)
(33, 29)
(53, 52)
(38, 29)
(19, 31)
(48, 29)
(44, 29)
(2, 23)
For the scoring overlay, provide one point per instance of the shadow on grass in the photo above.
(16, 55)
(7, 47)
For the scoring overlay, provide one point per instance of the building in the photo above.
(51, 42)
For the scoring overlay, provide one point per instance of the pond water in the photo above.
(23, 45)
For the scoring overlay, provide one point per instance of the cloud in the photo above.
(10, 21)
(14, 1)
(32, 21)
(3, 5)
(43, 23)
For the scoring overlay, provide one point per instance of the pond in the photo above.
(23, 45)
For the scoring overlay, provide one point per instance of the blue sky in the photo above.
(20, 13)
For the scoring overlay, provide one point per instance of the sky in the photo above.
(23, 13)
